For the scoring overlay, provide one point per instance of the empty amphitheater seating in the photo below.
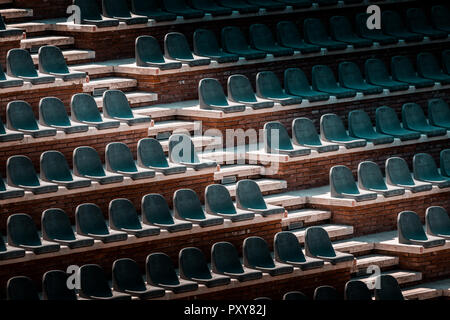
(445, 162)
(304, 133)
(440, 17)
(294, 295)
(425, 169)
(218, 202)
(289, 36)
(209, 6)
(51, 61)
(388, 123)
(177, 48)
(182, 151)
(428, 68)
(325, 293)
(413, 118)
(377, 74)
(206, 45)
(332, 129)
(392, 24)
(398, 174)
(118, 9)
(324, 80)
(8, 32)
(148, 54)
(91, 14)
(261, 38)
(8, 252)
(277, 140)
(150, 155)
(54, 287)
(180, 8)
(268, 86)
(437, 222)
(240, 90)
(19, 64)
(20, 117)
(212, 97)
(296, 83)
(418, 23)
(372, 34)
(410, 231)
(52, 113)
(343, 185)
(21, 289)
(388, 289)
(7, 81)
(117, 107)
(360, 126)
(350, 77)
(234, 41)
(341, 30)
(8, 135)
(152, 10)
(356, 290)
(83, 108)
(403, 71)
(315, 33)
(249, 197)
(370, 178)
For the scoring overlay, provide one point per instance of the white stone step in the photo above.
(13, 13)
(383, 261)
(47, 40)
(238, 170)
(265, 185)
(170, 126)
(94, 69)
(353, 246)
(6, 1)
(304, 216)
(71, 55)
(334, 231)
(31, 27)
(135, 97)
(199, 143)
(428, 290)
(403, 277)
(109, 83)
(284, 200)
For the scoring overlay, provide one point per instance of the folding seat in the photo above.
(343, 185)
(150, 155)
(84, 109)
(149, 54)
(414, 119)
(268, 5)
(218, 202)
(387, 122)
(388, 290)
(350, 77)
(52, 113)
(277, 140)
(261, 38)
(20, 117)
(22, 233)
(289, 36)
(445, 162)
(295, 295)
(315, 33)
(225, 260)
(375, 35)
(239, 5)
(54, 287)
(56, 227)
(418, 23)
(268, 86)
(249, 197)
(296, 83)
(398, 174)
(193, 266)
(21, 289)
(287, 250)
(425, 169)
(324, 3)
(90, 14)
(323, 80)
(155, 211)
(440, 16)
(370, 178)
(182, 151)
(152, 10)
(117, 107)
(233, 41)
(7, 252)
(325, 293)
(356, 290)
(20, 173)
(403, 71)
(19, 64)
(256, 255)
(91, 223)
(124, 217)
(296, 4)
(377, 74)
(212, 97)
(7, 81)
(439, 113)
(318, 245)
(437, 222)
(209, 6)
(187, 206)
(177, 48)
(160, 272)
(118, 9)
(180, 8)
(94, 285)
(206, 44)
(428, 67)
(8, 32)
(304, 134)
(51, 61)
(127, 278)
(8, 192)
(341, 30)
(360, 126)
(332, 129)
(410, 231)
(240, 90)
(8, 135)
(392, 24)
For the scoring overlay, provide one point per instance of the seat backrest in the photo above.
(391, 22)
(332, 127)
(126, 275)
(233, 39)
(145, 6)
(115, 104)
(150, 153)
(445, 162)
(225, 257)
(181, 149)
(176, 46)
(268, 84)
(427, 64)
(89, 9)
(356, 290)
(370, 176)
(155, 209)
(2, 23)
(160, 269)
(186, 204)
(86, 161)
(340, 27)
(192, 264)
(256, 252)
(409, 227)
(276, 137)
(22, 230)
(359, 123)
(295, 81)
(123, 214)
(317, 242)
(20, 171)
(304, 132)
(437, 220)
(413, 116)
(21, 288)
(438, 111)
(54, 166)
(440, 16)
(218, 199)
(147, 49)
(416, 19)
(314, 30)
(375, 71)
(89, 219)
(93, 281)
(240, 88)
(20, 63)
(51, 59)
(424, 167)
(325, 293)
(287, 248)
(53, 112)
(261, 36)
(56, 225)
(19, 115)
(54, 286)
(342, 181)
(323, 78)
(402, 68)
(116, 8)
(361, 25)
(205, 42)
(386, 119)
(295, 295)
(248, 195)
(288, 33)
(118, 157)
(388, 288)
(210, 92)
(349, 74)
(84, 108)
(397, 171)
(171, 5)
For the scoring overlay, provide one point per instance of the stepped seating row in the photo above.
(8, 32)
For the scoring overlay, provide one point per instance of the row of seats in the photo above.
(8, 32)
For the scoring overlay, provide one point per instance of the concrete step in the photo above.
(14, 13)
(237, 170)
(334, 231)
(71, 55)
(266, 185)
(354, 247)
(36, 42)
(94, 70)
(109, 83)
(6, 1)
(166, 127)
(383, 261)
(429, 290)
(31, 27)
(199, 143)
(403, 277)
(284, 199)
(134, 97)
(298, 218)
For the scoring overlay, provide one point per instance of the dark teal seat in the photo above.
(225, 260)
(180, 8)
(341, 30)
(425, 169)
(343, 185)
(377, 74)
(150, 155)
(289, 36)
(54, 287)
(84, 109)
(389, 290)
(445, 162)
(428, 68)
(8, 135)
(9, 32)
(356, 290)
(212, 97)
(117, 107)
(296, 83)
(187, 206)
(440, 16)
(318, 245)
(7, 81)
(398, 174)
(20, 117)
(287, 250)
(325, 293)
(209, 6)
(410, 231)
(418, 23)
(296, 4)
(19, 64)
(332, 129)
(161, 272)
(124, 217)
(52, 113)
(7, 192)
(360, 126)
(439, 113)
(350, 77)
(233, 41)
(7, 252)
(240, 90)
(277, 141)
(155, 211)
(193, 266)
(90, 14)
(177, 48)
(324, 80)
(268, 5)
(414, 119)
(370, 178)
(387, 122)
(21, 289)
(118, 9)
(182, 151)
(249, 197)
(151, 9)
(304, 133)
(127, 279)
(261, 38)
(268, 86)
(91, 223)
(392, 24)
(239, 5)
(87, 163)
(206, 44)
(149, 54)
(22, 233)
(315, 33)
(56, 227)
(51, 61)
(403, 71)
(437, 222)
(295, 295)
(375, 35)
(20, 173)
(256, 255)
(218, 202)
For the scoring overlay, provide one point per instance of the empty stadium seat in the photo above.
(87, 163)
(268, 5)
(182, 151)
(392, 24)
(377, 74)
(127, 278)
(410, 231)
(7, 252)
(54, 287)
(261, 38)
(212, 97)
(84, 109)
(124, 217)
(225, 260)
(193, 267)
(117, 107)
(8, 32)
(304, 133)
(180, 8)
(332, 129)
(437, 222)
(52, 61)
(325, 293)
(19, 64)
(289, 36)
(387, 122)
(256, 255)
(7, 81)
(428, 67)
(360, 126)
(350, 77)
(418, 23)
(370, 178)
(375, 35)
(296, 83)
(295, 295)
(206, 44)
(414, 119)
(403, 71)
(22, 233)
(240, 90)
(439, 113)
(343, 185)
(277, 140)
(315, 33)
(8, 192)
(21, 289)
(233, 41)
(356, 290)
(388, 289)
(177, 48)
(90, 14)
(268, 86)
(445, 162)
(218, 202)
(52, 113)
(118, 9)
(318, 245)
(149, 54)
(150, 155)
(8, 135)
(398, 174)
(324, 80)
(425, 169)
(440, 16)
(249, 197)
(341, 30)
(56, 227)
(152, 10)
(209, 6)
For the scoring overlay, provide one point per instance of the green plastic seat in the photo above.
(212, 97)
(325, 293)
(150, 155)
(341, 30)
(418, 23)
(180, 8)
(233, 41)
(177, 48)
(7, 81)
(297, 4)
(375, 35)
(21, 289)
(225, 260)
(151, 9)
(118, 9)
(90, 14)
(19, 64)
(414, 119)
(155, 211)
(428, 68)
(437, 222)
(295, 295)
(8, 135)
(350, 77)
(268, 86)
(127, 279)
(370, 178)
(360, 126)
(8, 32)
(149, 54)
(268, 5)
(289, 36)
(256, 255)
(304, 133)
(318, 245)
(211, 7)
(356, 290)
(403, 71)
(377, 74)
(206, 44)
(315, 33)
(52, 113)
(239, 5)
(54, 287)
(425, 169)
(445, 162)
(324, 80)
(7, 252)
(277, 141)
(182, 151)
(410, 231)
(440, 16)
(52, 61)
(392, 24)
(261, 38)
(187, 206)
(8, 192)
(387, 122)
(398, 174)
(389, 290)
(439, 113)
(193, 266)
(240, 90)
(84, 109)
(296, 83)
(343, 185)
(249, 197)
(91, 223)
(117, 107)
(332, 129)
